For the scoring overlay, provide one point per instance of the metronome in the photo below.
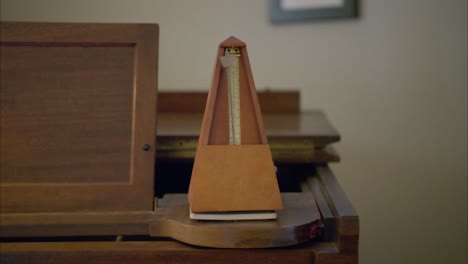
(233, 176)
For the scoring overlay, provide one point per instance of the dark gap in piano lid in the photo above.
(174, 177)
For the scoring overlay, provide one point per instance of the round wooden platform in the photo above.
(297, 223)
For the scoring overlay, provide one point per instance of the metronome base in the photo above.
(298, 222)
(234, 216)
(230, 178)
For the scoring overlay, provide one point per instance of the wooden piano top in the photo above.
(309, 124)
(293, 137)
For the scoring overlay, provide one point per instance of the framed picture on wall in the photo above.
(282, 11)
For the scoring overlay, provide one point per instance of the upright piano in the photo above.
(92, 156)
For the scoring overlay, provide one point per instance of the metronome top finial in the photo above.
(232, 42)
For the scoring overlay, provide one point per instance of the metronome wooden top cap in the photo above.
(232, 42)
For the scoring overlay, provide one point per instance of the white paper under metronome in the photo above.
(234, 216)
(290, 5)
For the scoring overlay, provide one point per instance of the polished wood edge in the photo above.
(347, 219)
(171, 221)
(321, 247)
(160, 252)
(334, 258)
(174, 142)
(341, 206)
(253, 93)
(208, 113)
(181, 130)
(297, 150)
(78, 224)
(278, 101)
(67, 33)
(312, 184)
(331, 153)
(298, 222)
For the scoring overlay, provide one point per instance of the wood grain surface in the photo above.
(194, 102)
(234, 178)
(347, 220)
(293, 138)
(297, 222)
(244, 175)
(311, 125)
(170, 252)
(60, 120)
(77, 224)
(78, 103)
(339, 249)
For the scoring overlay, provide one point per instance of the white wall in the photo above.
(394, 82)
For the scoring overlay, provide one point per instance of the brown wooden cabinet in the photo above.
(77, 111)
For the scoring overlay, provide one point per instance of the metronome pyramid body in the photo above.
(233, 169)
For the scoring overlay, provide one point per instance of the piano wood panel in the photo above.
(78, 103)
(169, 252)
(66, 113)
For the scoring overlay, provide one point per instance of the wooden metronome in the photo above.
(233, 177)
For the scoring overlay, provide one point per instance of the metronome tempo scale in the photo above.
(230, 62)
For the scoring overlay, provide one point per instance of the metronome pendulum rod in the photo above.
(230, 61)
